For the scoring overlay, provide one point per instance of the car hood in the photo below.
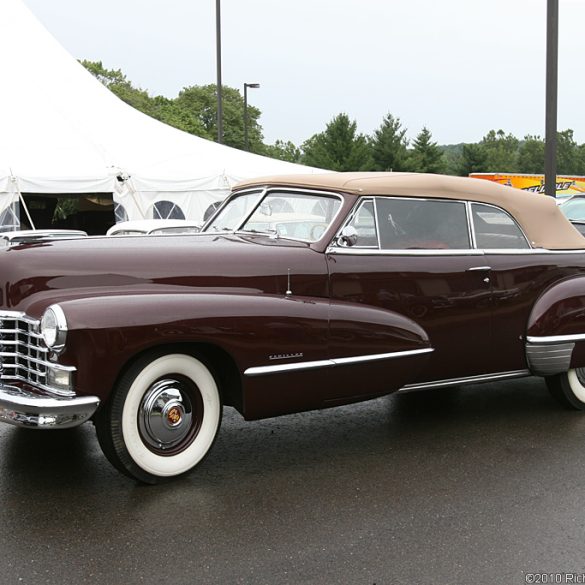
(53, 271)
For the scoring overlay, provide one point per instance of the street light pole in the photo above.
(218, 62)
(552, 66)
(246, 86)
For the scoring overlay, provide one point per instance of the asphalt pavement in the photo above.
(479, 485)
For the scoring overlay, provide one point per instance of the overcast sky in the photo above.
(460, 67)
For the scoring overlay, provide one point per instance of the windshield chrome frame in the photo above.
(263, 193)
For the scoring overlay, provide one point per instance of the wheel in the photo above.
(161, 419)
(569, 388)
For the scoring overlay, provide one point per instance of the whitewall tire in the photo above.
(569, 388)
(162, 418)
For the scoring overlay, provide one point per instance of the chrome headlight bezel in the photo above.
(53, 328)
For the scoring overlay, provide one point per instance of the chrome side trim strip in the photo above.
(468, 380)
(263, 370)
(380, 356)
(406, 252)
(556, 339)
(448, 252)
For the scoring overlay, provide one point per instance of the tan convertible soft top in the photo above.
(539, 216)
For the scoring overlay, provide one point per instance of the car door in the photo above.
(519, 275)
(414, 257)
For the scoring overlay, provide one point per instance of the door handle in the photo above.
(476, 268)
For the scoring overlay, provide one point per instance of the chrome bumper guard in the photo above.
(25, 409)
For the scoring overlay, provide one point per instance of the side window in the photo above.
(423, 224)
(495, 229)
(365, 224)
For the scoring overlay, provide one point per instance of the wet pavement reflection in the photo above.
(479, 484)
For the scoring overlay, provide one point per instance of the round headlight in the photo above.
(54, 328)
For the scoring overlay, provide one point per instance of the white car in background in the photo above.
(574, 210)
(142, 227)
(13, 238)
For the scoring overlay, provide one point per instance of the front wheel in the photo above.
(568, 388)
(161, 419)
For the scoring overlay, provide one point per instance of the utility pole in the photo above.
(218, 61)
(552, 67)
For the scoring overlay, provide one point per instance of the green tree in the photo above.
(426, 156)
(567, 153)
(168, 111)
(338, 148)
(389, 146)
(201, 102)
(283, 151)
(580, 169)
(118, 84)
(501, 151)
(194, 110)
(531, 155)
(473, 160)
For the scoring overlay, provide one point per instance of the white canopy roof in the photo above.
(62, 131)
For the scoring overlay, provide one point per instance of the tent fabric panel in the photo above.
(192, 204)
(168, 185)
(72, 185)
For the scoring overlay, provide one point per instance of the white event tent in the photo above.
(63, 132)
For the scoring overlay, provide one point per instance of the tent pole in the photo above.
(133, 193)
(23, 203)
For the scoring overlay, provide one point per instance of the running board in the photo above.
(468, 380)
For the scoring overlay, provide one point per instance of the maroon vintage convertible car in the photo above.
(300, 293)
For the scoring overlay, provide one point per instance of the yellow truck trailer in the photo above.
(566, 185)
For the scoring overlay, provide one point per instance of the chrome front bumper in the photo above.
(26, 409)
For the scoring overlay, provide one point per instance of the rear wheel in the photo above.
(569, 388)
(162, 417)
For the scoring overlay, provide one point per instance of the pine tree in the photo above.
(473, 160)
(426, 156)
(389, 146)
(338, 148)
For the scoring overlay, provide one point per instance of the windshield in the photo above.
(299, 216)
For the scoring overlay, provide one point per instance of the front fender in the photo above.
(260, 332)
(106, 332)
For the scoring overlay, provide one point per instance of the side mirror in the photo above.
(348, 236)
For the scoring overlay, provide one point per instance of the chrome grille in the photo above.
(23, 355)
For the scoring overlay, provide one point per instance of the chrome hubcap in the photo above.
(580, 375)
(166, 414)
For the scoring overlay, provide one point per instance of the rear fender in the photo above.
(555, 340)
